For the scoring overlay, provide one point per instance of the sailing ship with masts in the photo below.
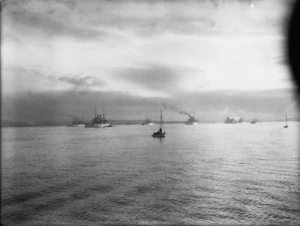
(160, 133)
(99, 121)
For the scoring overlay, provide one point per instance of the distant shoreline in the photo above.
(7, 123)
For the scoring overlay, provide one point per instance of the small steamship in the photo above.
(233, 120)
(147, 122)
(77, 122)
(192, 120)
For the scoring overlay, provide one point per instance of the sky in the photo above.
(212, 57)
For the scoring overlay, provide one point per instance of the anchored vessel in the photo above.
(77, 122)
(286, 125)
(232, 120)
(148, 122)
(253, 121)
(99, 121)
(160, 133)
(192, 120)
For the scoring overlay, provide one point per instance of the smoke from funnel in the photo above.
(170, 107)
(185, 113)
(175, 109)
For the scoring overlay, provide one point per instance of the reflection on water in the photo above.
(211, 173)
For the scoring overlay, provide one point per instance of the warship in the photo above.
(99, 121)
(192, 120)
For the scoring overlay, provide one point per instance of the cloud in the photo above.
(60, 106)
(160, 50)
(94, 19)
(158, 77)
(20, 79)
(49, 25)
(82, 82)
(255, 100)
(215, 105)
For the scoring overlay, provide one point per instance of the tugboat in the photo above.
(232, 120)
(98, 121)
(147, 122)
(77, 122)
(286, 125)
(160, 133)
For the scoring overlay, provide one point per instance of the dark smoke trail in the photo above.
(185, 113)
(170, 107)
(175, 109)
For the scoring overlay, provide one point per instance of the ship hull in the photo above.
(98, 125)
(158, 135)
(101, 125)
(192, 123)
(79, 125)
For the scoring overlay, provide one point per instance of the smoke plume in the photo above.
(175, 109)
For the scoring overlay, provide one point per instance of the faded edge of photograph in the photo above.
(148, 112)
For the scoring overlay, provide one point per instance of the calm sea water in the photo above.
(206, 174)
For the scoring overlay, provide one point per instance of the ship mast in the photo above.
(103, 112)
(161, 119)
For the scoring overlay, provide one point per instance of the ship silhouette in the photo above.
(99, 121)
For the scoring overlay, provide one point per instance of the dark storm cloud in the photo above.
(59, 106)
(153, 77)
(270, 101)
(157, 77)
(215, 105)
